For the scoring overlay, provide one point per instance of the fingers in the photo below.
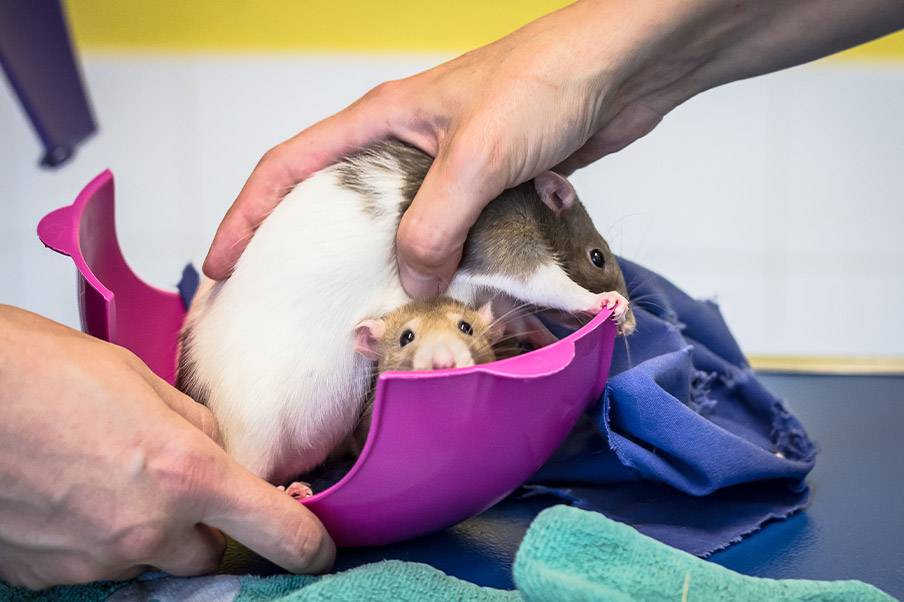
(193, 551)
(197, 414)
(462, 180)
(291, 162)
(271, 523)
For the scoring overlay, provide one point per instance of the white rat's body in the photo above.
(272, 347)
(271, 350)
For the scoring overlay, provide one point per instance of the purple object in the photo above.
(115, 305)
(444, 445)
(37, 54)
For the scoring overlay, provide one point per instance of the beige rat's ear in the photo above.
(555, 191)
(367, 337)
(494, 328)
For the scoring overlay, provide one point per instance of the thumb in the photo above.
(432, 232)
(269, 522)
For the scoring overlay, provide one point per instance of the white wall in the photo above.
(779, 196)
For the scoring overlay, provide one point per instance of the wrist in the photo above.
(624, 50)
(716, 42)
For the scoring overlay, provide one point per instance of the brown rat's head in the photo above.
(429, 334)
(577, 243)
(580, 248)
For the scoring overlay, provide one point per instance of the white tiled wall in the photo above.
(780, 196)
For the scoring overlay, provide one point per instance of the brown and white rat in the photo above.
(271, 350)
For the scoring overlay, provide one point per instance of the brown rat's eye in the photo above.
(596, 256)
(407, 337)
(465, 328)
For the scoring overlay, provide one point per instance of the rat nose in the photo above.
(443, 359)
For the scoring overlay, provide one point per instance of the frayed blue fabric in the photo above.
(686, 444)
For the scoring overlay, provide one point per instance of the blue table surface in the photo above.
(853, 529)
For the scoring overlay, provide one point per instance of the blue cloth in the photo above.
(686, 444)
(188, 285)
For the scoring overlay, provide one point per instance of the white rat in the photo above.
(271, 350)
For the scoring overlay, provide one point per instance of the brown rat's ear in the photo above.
(555, 191)
(367, 337)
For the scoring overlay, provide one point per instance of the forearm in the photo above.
(774, 35)
(684, 47)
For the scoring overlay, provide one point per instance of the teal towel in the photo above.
(571, 554)
(567, 554)
(378, 582)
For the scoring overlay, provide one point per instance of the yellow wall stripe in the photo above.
(286, 25)
(828, 364)
(324, 26)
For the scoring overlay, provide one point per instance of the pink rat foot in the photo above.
(611, 300)
(298, 490)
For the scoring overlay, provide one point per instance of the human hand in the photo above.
(559, 93)
(106, 470)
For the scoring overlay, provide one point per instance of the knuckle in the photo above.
(186, 469)
(130, 358)
(304, 545)
(383, 92)
(209, 552)
(210, 562)
(117, 354)
(425, 242)
(194, 560)
(477, 148)
(139, 544)
(213, 559)
(210, 426)
(272, 156)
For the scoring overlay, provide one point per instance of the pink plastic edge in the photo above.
(59, 231)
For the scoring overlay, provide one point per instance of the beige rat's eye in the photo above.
(407, 337)
(596, 256)
(465, 328)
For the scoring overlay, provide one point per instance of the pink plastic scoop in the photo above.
(443, 446)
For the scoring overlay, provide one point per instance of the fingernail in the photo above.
(418, 284)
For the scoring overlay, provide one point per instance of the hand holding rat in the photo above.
(105, 470)
(560, 93)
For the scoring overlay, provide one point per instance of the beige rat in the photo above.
(431, 334)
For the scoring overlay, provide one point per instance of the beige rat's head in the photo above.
(430, 334)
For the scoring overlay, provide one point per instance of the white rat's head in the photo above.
(432, 334)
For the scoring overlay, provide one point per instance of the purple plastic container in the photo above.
(444, 445)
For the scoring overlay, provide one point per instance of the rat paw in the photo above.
(298, 490)
(611, 300)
